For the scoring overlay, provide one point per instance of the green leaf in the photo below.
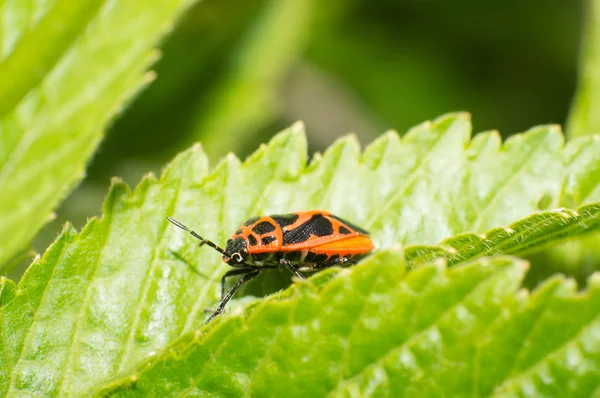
(377, 330)
(532, 232)
(101, 301)
(66, 67)
(584, 115)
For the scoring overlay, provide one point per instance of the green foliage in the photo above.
(584, 118)
(102, 301)
(246, 100)
(534, 231)
(67, 68)
(378, 330)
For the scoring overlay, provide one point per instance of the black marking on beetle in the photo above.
(251, 221)
(316, 225)
(262, 256)
(238, 232)
(354, 227)
(334, 257)
(263, 227)
(267, 240)
(344, 230)
(237, 245)
(283, 220)
(293, 256)
(252, 240)
(315, 258)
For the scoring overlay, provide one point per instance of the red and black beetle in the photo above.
(300, 241)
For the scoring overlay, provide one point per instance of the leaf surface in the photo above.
(103, 300)
(378, 330)
(66, 68)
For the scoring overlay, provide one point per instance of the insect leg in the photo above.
(291, 268)
(231, 273)
(249, 276)
(335, 261)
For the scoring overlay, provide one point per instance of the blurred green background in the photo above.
(234, 73)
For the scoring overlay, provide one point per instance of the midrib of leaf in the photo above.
(24, 64)
(550, 236)
(519, 237)
(497, 248)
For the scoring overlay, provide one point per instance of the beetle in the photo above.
(300, 241)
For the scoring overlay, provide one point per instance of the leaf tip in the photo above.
(555, 128)
(297, 127)
(523, 265)
(463, 116)
(231, 158)
(67, 226)
(522, 295)
(593, 280)
(149, 176)
(118, 187)
(116, 181)
(155, 55)
(197, 147)
(149, 77)
(51, 217)
(570, 285)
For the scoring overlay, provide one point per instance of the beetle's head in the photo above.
(236, 251)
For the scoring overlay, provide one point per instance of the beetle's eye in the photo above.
(236, 257)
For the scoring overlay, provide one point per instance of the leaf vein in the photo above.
(143, 298)
(71, 350)
(418, 333)
(35, 312)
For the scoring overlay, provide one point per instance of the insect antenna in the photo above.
(195, 235)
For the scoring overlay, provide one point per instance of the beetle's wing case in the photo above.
(316, 228)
